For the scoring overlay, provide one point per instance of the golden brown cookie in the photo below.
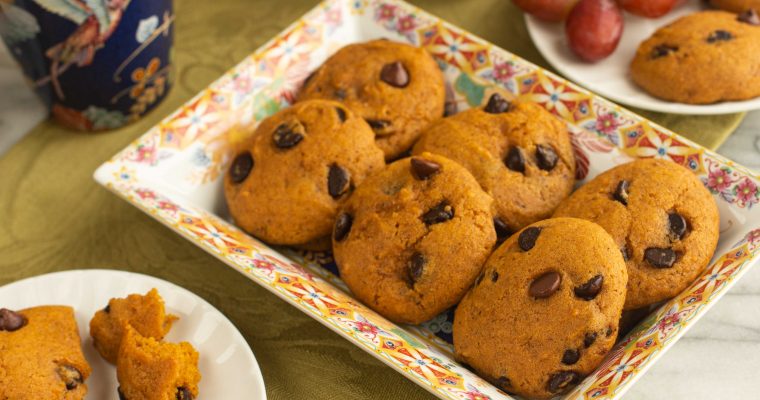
(41, 355)
(545, 311)
(736, 6)
(662, 218)
(151, 370)
(702, 58)
(145, 313)
(286, 182)
(396, 87)
(411, 239)
(519, 153)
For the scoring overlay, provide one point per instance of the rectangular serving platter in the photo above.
(173, 173)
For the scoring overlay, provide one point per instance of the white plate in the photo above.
(609, 77)
(227, 364)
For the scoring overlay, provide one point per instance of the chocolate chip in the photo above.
(288, 134)
(502, 230)
(589, 339)
(503, 382)
(546, 157)
(560, 381)
(341, 114)
(440, 213)
(590, 289)
(121, 394)
(416, 266)
(608, 332)
(662, 51)
(570, 357)
(659, 257)
(720, 36)
(380, 126)
(107, 308)
(342, 226)
(677, 225)
(749, 17)
(241, 167)
(515, 159)
(621, 192)
(494, 276)
(338, 181)
(11, 321)
(395, 74)
(340, 94)
(70, 376)
(423, 169)
(545, 285)
(496, 105)
(183, 393)
(528, 237)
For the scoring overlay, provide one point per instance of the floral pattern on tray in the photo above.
(173, 174)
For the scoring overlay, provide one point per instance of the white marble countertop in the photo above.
(719, 358)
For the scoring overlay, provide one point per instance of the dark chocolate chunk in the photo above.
(395, 74)
(496, 105)
(590, 289)
(589, 339)
(10, 320)
(545, 285)
(423, 169)
(515, 159)
(494, 276)
(338, 181)
(416, 267)
(720, 36)
(571, 356)
(342, 226)
(662, 50)
(341, 114)
(561, 380)
(528, 237)
(749, 17)
(71, 376)
(183, 393)
(442, 212)
(677, 226)
(241, 167)
(659, 257)
(288, 135)
(546, 157)
(380, 126)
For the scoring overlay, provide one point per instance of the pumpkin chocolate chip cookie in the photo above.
(412, 239)
(662, 218)
(702, 58)
(41, 355)
(396, 87)
(519, 153)
(545, 311)
(286, 182)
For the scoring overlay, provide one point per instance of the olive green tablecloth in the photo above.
(54, 217)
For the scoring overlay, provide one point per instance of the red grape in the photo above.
(648, 8)
(593, 28)
(549, 10)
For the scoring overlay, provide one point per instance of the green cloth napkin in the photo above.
(54, 217)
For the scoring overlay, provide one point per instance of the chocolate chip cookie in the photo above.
(519, 153)
(411, 239)
(664, 221)
(41, 356)
(287, 180)
(396, 87)
(544, 313)
(702, 58)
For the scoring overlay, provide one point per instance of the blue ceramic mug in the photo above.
(97, 64)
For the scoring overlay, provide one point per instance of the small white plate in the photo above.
(609, 77)
(226, 363)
